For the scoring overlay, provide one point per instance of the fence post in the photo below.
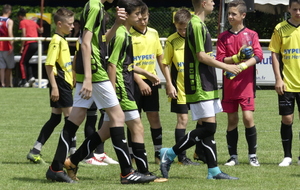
(40, 63)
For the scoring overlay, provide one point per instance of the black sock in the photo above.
(211, 152)
(88, 146)
(48, 128)
(89, 127)
(286, 138)
(64, 142)
(232, 140)
(156, 135)
(251, 137)
(199, 150)
(141, 161)
(120, 145)
(179, 134)
(129, 142)
(100, 147)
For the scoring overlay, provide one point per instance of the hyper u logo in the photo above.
(144, 57)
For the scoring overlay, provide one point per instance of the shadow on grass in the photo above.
(26, 163)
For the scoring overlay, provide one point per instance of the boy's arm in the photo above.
(86, 90)
(153, 78)
(120, 19)
(111, 71)
(54, 92)
(279, 84)
(208, 60)
(144, 87)
(10, 33)
(170, 89)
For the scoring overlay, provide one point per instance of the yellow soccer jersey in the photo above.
(285, 41)
(174, 57)
(146, 47)
(59, 57)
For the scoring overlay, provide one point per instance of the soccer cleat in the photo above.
(31, 81)
(25, 85)
(135, 177)
(59, 176)
(94, 161)
(254, 161)
(35, 158)
(157, 158)
(71, 169)
(104, 158)
(199, 156)
(158, 179)
(286, 162)
(186, 161)
(165, 162)
(232, 162)
(222, 176)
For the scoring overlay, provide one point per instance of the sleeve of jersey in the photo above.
(158, 45)
(91, 18)
(221, 50)
(198, 36)
(116, 48)
(53, 52)
(275, 42)
(168, 53)
(256, 47)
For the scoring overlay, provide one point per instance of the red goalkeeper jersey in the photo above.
(229, 44)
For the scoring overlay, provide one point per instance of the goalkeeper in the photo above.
(239, 45)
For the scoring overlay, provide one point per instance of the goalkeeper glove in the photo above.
(246, 53)
(229, 75)
(243, 54)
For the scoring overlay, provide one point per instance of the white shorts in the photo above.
(205, 109)
(129, 115)
(7, 60)
(103, 94)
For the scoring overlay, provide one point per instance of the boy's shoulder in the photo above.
(174, 36)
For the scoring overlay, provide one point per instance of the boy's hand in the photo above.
(121, 15)
(54, 94)
(246, 53)
(154, 79)
(86, 90)
(145, 89)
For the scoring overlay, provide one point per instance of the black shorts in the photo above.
(65, 94)
(179, 108)
(286, 102)
(147, 103)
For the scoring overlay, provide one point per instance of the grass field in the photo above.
(24, 111)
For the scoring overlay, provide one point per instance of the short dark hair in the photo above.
(240, 4)
(293, 1)
(62, 13)
(6, 8)
(21, 12)
(130, 5)
(182, 16)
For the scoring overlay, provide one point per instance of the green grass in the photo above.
(24, 111)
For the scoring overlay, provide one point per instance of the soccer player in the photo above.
(173, 66)
(146, 51)
(285, 62)
(59, 70)
(29, 29)
(121, 73)
(201, 92)
(93, 85)
(7, 62)
(239, 45)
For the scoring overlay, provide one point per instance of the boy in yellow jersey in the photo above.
(173, 66)
(59, 70)
(146, 51)
(284, 46)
